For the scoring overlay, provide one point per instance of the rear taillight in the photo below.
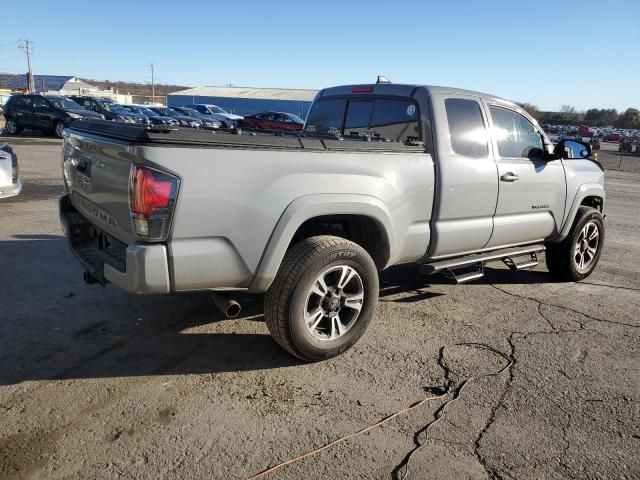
(152, 198)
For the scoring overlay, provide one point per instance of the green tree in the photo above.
(629, 119)
(529, 108)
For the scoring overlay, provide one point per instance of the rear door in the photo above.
(42, 114)
(467, 181)
(532, 188)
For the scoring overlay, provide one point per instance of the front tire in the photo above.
(58, 129)
(576, 257)
(322, 298)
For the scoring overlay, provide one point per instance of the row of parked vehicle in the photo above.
(54, 113)
(604, 134)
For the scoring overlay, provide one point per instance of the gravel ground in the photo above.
(96, 383)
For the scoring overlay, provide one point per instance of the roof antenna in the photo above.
(382, 79)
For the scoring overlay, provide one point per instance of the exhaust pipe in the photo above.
(227, 306)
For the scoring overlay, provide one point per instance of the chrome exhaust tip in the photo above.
(229, 307)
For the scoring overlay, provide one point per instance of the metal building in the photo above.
(247, 100)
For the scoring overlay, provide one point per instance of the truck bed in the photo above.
(241, 198)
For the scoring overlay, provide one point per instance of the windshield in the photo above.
(295, 118)
(64, 103)
(113, 107)
(167, 112)
(140, 110)
(214, 109)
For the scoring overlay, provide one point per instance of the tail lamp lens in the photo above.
(152, 196)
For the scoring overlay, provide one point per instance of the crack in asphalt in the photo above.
(401, 471)
(569, 309)
(631, 289)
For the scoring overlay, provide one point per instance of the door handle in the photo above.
(509, 177)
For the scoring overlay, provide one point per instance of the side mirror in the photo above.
(572, 149)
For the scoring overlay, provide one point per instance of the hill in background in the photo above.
(136, 89)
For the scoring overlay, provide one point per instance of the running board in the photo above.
(474, 264)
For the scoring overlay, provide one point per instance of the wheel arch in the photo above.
(361, 218)
(588, 194)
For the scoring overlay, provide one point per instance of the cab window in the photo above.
(467, 131)
(516, 136)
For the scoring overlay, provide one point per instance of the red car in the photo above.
(584, 130)
(612, 137)
(273, 121)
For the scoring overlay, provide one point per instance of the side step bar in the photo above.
(471, 267)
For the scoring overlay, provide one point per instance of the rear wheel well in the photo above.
(593, 202)
(363, 230)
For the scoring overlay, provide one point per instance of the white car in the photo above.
(228, 120)
(9, 182)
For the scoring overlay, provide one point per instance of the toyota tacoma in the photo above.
(382, 174)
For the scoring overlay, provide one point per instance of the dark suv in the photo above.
(108, 108)
(37, 112)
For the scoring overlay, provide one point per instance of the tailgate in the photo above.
(96, 174)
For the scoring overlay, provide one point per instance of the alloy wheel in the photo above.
(334, 302)
(586, 247)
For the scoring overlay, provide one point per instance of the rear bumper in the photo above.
(136, 268)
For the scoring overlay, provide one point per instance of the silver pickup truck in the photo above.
(382, 174)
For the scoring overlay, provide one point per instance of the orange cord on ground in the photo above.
(342, 439)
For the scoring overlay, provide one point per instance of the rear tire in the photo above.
(576, 257)
(322, 298)
(12, 127)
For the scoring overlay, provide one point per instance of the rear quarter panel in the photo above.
(231, 200)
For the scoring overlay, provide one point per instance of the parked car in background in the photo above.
(273, 121)
(9, 182)
(207, 122)
(611, 137)
(152, 116)
(37, 112)
(228, 120)
(108, 108)
(183, 120)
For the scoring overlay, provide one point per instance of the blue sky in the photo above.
(549, 53)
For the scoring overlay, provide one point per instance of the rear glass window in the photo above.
(396, 120)
(466, 127)
(357, 121)
(326, 117)
(387, 119)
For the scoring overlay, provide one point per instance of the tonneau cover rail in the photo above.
(228, 139)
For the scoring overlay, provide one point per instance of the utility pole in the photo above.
(27, 46)
(153, 86)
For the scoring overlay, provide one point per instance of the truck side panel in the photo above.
(231, 200)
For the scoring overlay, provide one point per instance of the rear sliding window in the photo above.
(388, 119)
(466, 127)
